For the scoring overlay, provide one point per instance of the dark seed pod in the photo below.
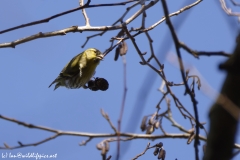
(101, 84)
(94, 88)
(150, 129)
(159, 145)
(156, 151)
(116, 54)
(91, 84)
(107, 146)
(143, 124)
(123, 48)
(99, 146)
(156, 125)
(104, 152)
(162, 154)
(152, 119)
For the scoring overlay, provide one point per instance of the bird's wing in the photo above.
(82, 62)
(80, 69)
(72, 68)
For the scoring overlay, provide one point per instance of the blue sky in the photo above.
(28, 70)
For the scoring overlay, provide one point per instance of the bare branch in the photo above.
(75, 29)
(228, 10)
(105, 115)
(21, 145)
(203, 53)
(109, 157)
(139, 155)
(224, 101)
(235, 3)
(177, 46)
(64, 13)
(161, 127)
(28, 125)
(83, 143)
(121, 18)
(123, 101)
(170, 15)
(84, 13)
(174, 123)
(57, 33)
(58, 133)
(139, 52)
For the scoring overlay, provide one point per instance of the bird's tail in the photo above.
(52, 83)
(57, 85)
(58, 81)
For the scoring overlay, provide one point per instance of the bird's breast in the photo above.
(80, 80)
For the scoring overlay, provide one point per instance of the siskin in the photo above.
(79, 70)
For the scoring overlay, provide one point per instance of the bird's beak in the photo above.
(100, 57)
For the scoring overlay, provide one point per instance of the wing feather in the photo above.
(72, 68)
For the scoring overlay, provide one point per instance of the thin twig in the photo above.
(235, 3)
(228, 10)
(224, 101)
(174, 123)
(83, 143)
(87, 23)
(185, 8)
(161, 127)
(134, 16)
(119, 20)
(144, 62)
(109, 157)
(112, 47)
(144, 15)
(177, 46)
(129, 136)
(203, 53)
(123, 101)
(139, 155)
(21, 145)
(64, 13)
(105, 115)
(76, 29)
(177, 102)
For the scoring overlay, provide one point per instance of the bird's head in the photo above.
(94, 54)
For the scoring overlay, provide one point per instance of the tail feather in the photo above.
(57, 85)
(52, 83)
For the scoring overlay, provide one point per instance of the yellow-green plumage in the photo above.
(79, 70)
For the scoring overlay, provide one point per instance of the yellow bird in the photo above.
(79, 70)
